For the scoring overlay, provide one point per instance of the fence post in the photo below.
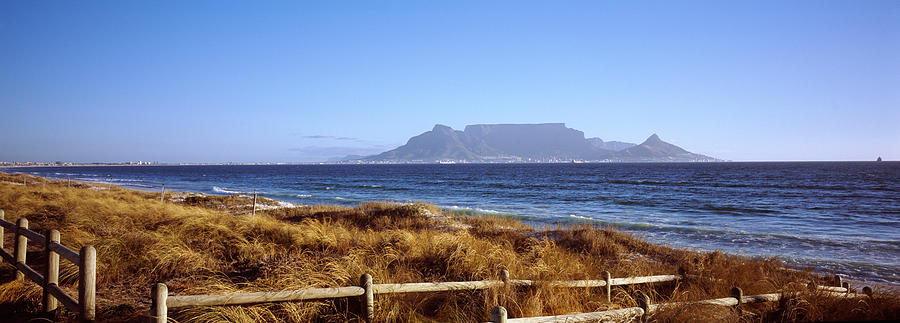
(51, 271)
(644, 303)
(504, 277)
(868, 291)
(159, 312)
(254, 202)
(162, 194)
(21, 245)
(737, 293)
(607, 277)
(2, 217)
(87, 283)
(367, 300)
(499, 314)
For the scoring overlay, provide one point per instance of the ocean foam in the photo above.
(474, 209)
(222, 190)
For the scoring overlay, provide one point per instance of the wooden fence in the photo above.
(499, 314)
(86, 260)
(366, 292)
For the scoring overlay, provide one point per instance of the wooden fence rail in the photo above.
(366, 290)
(500, 315)
(86, 260)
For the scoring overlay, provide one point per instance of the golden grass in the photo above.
(199, 244)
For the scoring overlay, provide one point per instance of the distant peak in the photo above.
(440, 127)
(653, 138)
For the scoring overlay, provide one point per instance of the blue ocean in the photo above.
(840, 217)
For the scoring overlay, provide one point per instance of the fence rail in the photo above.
(86, 260)
(263, 297)
(366, 290)
(499, 314)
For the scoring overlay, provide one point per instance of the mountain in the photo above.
(654, 149)
(535, 141)
(546, 142)
(610, 145)
(441, 143)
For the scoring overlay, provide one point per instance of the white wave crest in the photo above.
(580, 217)
(222, 190)
(475, 209)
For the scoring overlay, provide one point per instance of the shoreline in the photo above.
(854, 270)
(796, 263)
(204, 244)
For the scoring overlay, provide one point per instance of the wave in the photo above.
(128, 180)
(733, 209)
(485, 211)
(581, 217)
(470, 211)
(637, 202)
(302, 196)
(222, 190)
(581, 198)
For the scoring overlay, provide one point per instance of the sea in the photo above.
(836, 217)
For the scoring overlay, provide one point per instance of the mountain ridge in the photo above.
(543, 142)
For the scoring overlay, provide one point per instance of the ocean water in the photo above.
(841, 217)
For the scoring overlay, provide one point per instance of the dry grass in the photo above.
(199, 244)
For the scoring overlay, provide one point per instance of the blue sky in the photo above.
(293, 81)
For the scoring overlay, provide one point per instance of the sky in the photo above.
(301, 81)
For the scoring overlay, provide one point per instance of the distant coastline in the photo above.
(356, 162)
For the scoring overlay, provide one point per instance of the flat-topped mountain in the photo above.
(546, 142)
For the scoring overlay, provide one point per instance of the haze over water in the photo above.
(834, 216)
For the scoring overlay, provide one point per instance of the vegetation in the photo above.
(199, 244)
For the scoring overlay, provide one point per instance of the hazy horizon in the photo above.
(209, 82)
